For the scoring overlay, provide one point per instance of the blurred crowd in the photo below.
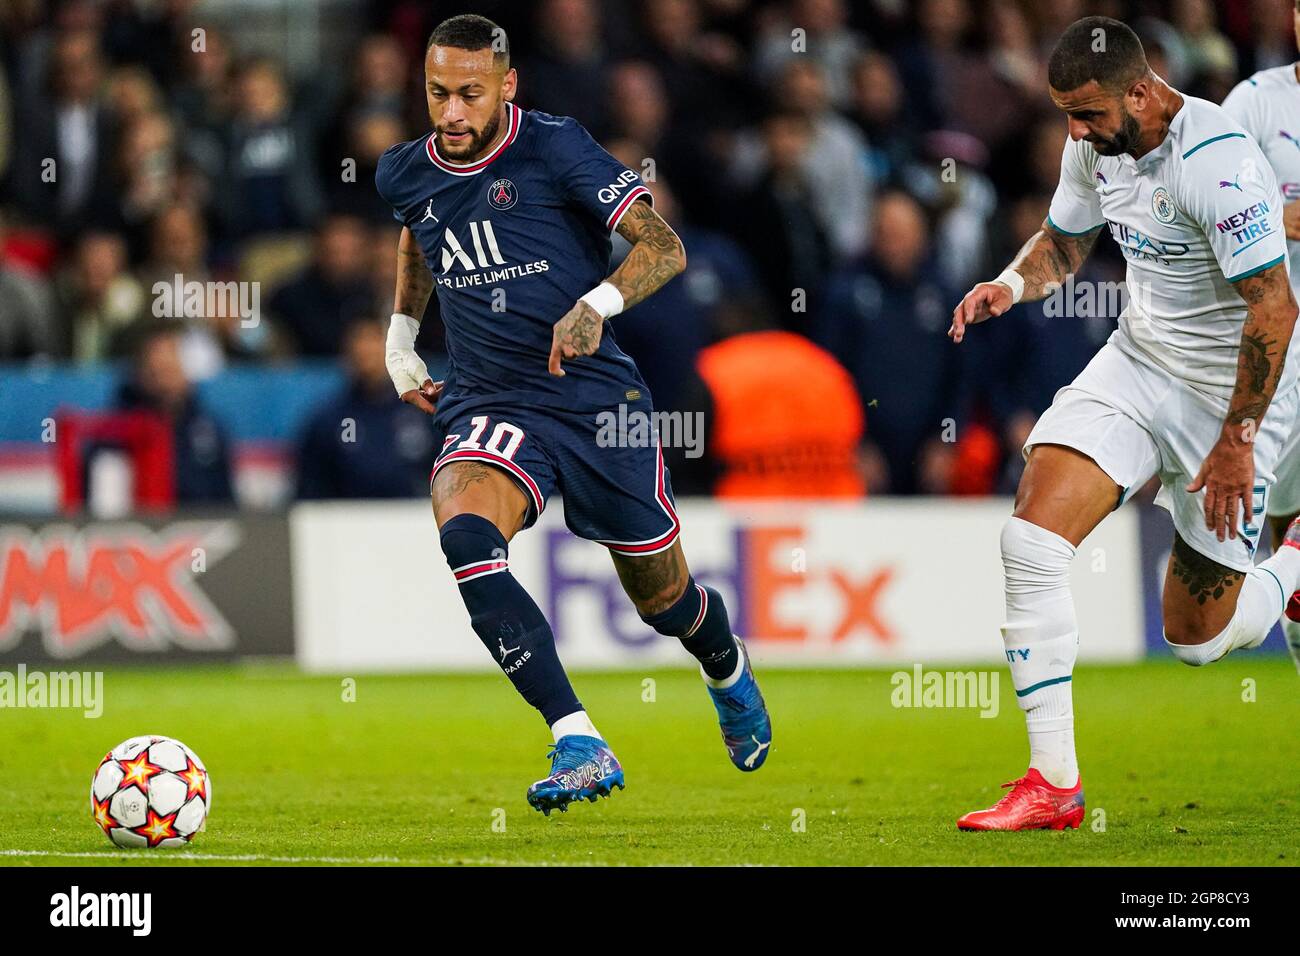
(838, 171)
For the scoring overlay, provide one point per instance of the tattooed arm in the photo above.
(1270, 319)
(656, 256)
(405, 367)
(1228, 473)
(414, 280)
(1043, 262)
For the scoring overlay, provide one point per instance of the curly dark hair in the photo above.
(469, 31)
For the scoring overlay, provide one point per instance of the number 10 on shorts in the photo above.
(512, 435)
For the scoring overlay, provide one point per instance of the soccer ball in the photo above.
(151, 791)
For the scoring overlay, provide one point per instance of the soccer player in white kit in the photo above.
(1268, 107)
(1198, 385)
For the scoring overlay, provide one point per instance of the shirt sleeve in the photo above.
(1076, 207)
(1230, 191)
(591, 178)
(384, 177)
(1242, 105)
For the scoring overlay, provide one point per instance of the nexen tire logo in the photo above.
(83, 588)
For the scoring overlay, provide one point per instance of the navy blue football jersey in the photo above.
(513, 240)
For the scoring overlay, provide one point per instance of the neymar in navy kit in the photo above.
(508, 214)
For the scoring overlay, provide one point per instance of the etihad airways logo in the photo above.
(80, 589)
(487, 256)
(1138, 245)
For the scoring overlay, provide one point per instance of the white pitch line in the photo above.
(171, 855)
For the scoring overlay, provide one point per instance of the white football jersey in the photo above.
(1200, 211)
(1268, 106)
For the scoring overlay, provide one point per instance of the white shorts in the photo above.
(1285, 499)
(1136, 420)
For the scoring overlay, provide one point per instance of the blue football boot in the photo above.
(581, 767)
(742, 714)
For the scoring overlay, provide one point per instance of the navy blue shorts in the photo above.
(615, 493)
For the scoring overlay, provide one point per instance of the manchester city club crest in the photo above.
(1162, 206)
(502, 194)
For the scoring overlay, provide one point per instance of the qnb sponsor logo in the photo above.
(80, 589)
(1138, 245)
(1248, 225)
(130, 910)
(617, 188)
(180, 299)
(622, 428)
(958, 689)
(72, 690)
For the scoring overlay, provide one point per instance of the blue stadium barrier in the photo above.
(253, 402)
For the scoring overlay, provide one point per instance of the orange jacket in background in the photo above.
(787, 418)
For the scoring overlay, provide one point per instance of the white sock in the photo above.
(1041, 635)
(1261, 600)
(1197, 655)
(1284, 565)
(735, 675)
(575, 723)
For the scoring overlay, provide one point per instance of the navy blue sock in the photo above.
(505, 618)
(699, 620)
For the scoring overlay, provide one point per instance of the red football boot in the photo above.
(1032, 804)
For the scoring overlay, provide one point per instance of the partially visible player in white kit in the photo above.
(1268, 106)
(1198, 385)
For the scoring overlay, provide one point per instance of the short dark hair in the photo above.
(469, 31)
(1096, 48)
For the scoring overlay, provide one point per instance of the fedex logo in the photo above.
(82, 588)
(770, 593)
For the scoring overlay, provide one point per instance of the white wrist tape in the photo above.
(405, 367)
(1014, 281)
(402, 331)
(605, 299)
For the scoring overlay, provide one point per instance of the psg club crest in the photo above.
(502, 194)
(1162, 206)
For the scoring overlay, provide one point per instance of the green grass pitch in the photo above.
(419, 768)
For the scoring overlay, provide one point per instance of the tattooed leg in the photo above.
(669, 600)
(1200, 595)
(654, 582)
(471, 487)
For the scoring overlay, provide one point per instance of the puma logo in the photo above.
(749, 761)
